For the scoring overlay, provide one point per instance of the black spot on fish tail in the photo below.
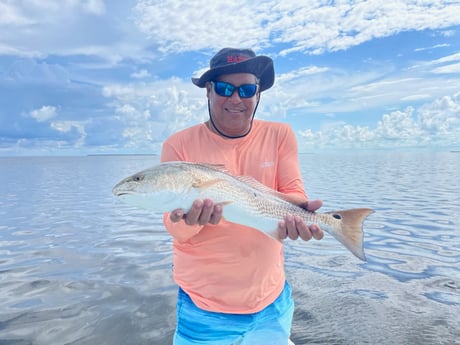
(350, 233)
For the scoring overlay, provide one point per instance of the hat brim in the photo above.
(260, 66)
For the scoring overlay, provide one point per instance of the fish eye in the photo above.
(336, 216)
(138, 178)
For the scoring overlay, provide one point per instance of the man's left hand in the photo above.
(295, 227)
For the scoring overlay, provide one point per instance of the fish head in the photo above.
(154, 188)
(131, 185)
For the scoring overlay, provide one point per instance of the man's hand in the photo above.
(202, 212)
(295, 227)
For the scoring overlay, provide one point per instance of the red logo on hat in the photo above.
(236, 58)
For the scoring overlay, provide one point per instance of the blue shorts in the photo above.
(271, 325)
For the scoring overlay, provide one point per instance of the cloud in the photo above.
(447, 33)
(449, 64)
(191, 30)
(398, 125)
(442, 117)
(70, 27)
(366, 87)
(70, 126)
(93, 6)
(41, 28)
(301, 72)
(452, 68)
(416, 97)
(436, 46)
(311, 27)
(25, 12)
(28, 70)
(12, 15)
(440, 61)
(449, 58)
(43, 114)
(116, 76)
(140, 74)
(150, 112)
(433, 124)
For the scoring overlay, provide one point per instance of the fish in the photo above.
(172, 185)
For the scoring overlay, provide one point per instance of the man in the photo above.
(232, 285)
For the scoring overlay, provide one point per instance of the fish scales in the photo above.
(246, 201)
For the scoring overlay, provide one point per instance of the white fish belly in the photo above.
(236, 214)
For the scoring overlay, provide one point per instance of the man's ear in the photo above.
(208, 89)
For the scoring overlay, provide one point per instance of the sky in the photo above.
(114, 77)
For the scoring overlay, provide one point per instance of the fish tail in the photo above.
(350, 234)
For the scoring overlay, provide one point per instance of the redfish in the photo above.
(245, 201)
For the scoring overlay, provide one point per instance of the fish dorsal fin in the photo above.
(215, 166)
(255, 184)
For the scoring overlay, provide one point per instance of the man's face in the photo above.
(232, 115)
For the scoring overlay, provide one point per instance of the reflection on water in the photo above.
(78, 267)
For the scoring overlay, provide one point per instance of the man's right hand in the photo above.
(202, 212)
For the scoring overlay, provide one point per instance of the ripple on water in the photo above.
(77, 266)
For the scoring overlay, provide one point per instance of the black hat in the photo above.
(231, 60)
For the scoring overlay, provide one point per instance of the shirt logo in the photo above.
(267, 164)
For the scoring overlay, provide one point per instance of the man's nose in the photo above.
(235, 97)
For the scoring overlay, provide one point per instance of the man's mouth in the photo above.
(234, 111)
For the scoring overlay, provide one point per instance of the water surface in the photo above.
(79, 267)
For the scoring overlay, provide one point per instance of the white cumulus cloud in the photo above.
(434, 124)
(45, 113)
(152, 111)
(308, 26)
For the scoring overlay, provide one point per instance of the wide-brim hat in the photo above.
(232, 60)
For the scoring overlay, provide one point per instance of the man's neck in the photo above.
(210, 124)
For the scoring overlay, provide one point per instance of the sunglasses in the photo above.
(226, 89)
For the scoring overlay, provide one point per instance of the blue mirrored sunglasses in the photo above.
(226, 89)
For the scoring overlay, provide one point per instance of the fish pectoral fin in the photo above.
(206, 184)
(224, 203)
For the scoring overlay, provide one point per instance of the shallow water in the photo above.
(79, 267)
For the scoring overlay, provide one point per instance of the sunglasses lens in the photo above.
(247, 90)
(226, 89)
(223, 89)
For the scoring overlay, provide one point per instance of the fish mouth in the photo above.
(118, 192)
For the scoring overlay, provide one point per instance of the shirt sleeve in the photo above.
(179, 231)
(170, 153)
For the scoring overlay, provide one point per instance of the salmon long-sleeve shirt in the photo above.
(228, 267)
